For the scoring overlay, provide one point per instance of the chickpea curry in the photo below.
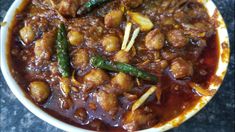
(114, 65)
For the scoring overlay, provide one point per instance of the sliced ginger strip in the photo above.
(132, 41)
(126, 35)
(143, 98)
(202, 91)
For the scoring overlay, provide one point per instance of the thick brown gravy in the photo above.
(176, 95)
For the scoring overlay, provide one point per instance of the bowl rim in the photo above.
(19, 93)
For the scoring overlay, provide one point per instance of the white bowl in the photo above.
(15, 88)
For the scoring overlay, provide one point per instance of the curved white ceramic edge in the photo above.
(222, 67)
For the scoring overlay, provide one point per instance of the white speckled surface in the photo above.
(217, 116)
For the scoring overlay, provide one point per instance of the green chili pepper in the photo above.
(99, 62)
(62, 51)
(88, 6)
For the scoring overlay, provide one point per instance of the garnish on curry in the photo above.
(114, 65)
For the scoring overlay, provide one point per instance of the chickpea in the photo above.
(96, 77)
(27, 34)
(68, 7)
(123, 81)
(181, 68)
(39, 91)
(80, 58)
(44, 47)
(111, 43)
(122, 56)
(107, 101)
(154, 40)
(113, 18)
(177, 38)
(75, 38)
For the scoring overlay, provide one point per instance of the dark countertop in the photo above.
(217, 116)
